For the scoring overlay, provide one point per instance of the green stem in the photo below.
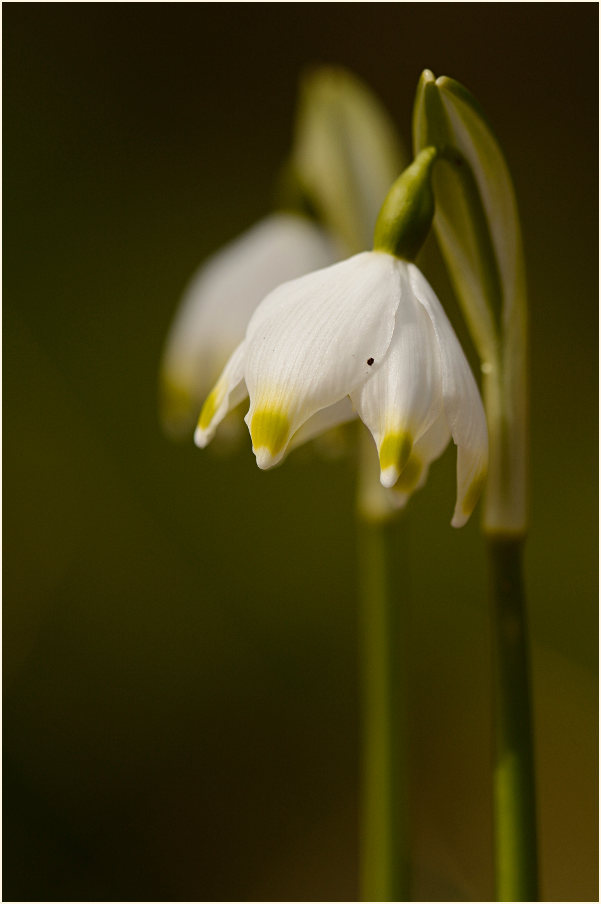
(516, 864)
(385, 869)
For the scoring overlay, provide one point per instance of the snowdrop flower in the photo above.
(367, 334)
(219, 301)
(369, 329)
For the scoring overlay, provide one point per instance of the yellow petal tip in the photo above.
(468, 503)
(208, 409)
(269, 431)
(201, 439)
(389, 476)
(395, 450)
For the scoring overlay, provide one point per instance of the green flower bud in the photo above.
(406, 214)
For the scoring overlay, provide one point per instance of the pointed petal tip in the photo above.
(202, 438)
(389, 476)
(467, 504)
(459, 519)
(395, 450)
(270, 431)
(265, 460)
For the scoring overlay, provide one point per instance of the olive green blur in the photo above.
(181, 650)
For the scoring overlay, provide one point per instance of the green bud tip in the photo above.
(406, 215)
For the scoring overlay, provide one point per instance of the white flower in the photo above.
(368, 331)
(217, 305)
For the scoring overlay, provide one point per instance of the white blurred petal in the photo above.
(434, 441)
(346, 154)
(334, 416)
(400, 401)
(462, 403)
(309, 343)
(219, 301)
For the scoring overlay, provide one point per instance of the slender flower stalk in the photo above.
(478, 230)
(514, 789)
(385, 841)
(385, 866)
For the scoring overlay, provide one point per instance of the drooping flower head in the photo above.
(366, 335)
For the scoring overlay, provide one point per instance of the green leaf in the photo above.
(476, 218)
(478, 230)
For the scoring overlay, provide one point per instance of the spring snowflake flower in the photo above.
(367, 335)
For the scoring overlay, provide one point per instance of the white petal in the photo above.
(434, 441)
(220, 299)
(309, 343)
(340, 413)
(401, 400)
(229, 391)
(462, 404)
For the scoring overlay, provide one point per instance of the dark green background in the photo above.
(180, 630)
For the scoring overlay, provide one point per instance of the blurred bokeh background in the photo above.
(181, 715)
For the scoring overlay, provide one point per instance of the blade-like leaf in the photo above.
(478, 230)
(461, 223)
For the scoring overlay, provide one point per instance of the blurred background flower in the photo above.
(217, 305)
(180, 717)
